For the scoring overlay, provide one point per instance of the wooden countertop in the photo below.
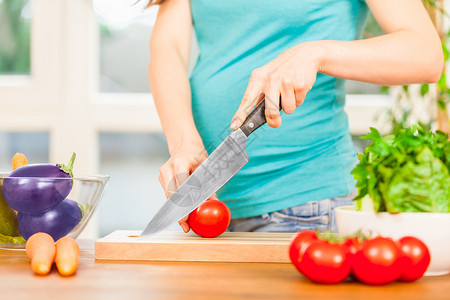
(168, 280)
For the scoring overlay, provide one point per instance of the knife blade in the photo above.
(219, 167)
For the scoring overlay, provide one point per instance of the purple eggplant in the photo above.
(57, 221)
(36, 188)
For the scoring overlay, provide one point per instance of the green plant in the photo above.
(407, 171)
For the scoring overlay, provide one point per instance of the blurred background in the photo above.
(73, 77)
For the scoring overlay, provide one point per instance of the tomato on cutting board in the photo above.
(210, 219)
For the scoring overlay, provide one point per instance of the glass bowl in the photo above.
(67, 216)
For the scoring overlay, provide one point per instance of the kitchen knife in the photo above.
(225, 161)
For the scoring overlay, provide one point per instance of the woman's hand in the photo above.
(177, 169)
(410, 51)
(285, 80)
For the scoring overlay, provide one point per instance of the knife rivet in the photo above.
(251, 125)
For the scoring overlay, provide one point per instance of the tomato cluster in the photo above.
(374, 261)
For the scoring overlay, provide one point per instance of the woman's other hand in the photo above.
(178, 168)
(168, 74)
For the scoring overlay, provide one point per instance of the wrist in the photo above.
(185, 143)
(316, 52)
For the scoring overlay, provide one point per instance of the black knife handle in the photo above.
(256, 118)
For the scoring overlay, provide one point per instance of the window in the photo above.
(15, 28)
(124, 33)
(35, 145)
(134, 193)
(30, 31)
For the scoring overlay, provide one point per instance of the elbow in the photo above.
(435, 69)
(434, 65)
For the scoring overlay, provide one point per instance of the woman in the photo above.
(296, 53)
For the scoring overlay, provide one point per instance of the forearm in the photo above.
(402, 57)
(409, 52)
(172, 96)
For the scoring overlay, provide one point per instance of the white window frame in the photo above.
(19, 93)
(62, 98)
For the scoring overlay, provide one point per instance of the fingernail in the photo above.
(234, 124)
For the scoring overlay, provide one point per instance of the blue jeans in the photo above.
(309, 216)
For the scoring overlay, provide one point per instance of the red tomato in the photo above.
(416, 258)
(378, 262)
(353, 245)
(210, 219)
(324, 262)
(299, 242)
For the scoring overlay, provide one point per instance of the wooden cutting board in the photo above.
(124, 245)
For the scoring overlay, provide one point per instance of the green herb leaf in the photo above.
(421, 186)
(406, 171)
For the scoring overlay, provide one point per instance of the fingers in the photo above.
(288, 102)
(300, 90)
(173, 173)
(283, 91)
(251, 96)
(184, 224)
(300, 96)
(182, 170)
(274, 86)
(273, 107)
(166, 179)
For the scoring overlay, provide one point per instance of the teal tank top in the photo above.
(311, 155)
